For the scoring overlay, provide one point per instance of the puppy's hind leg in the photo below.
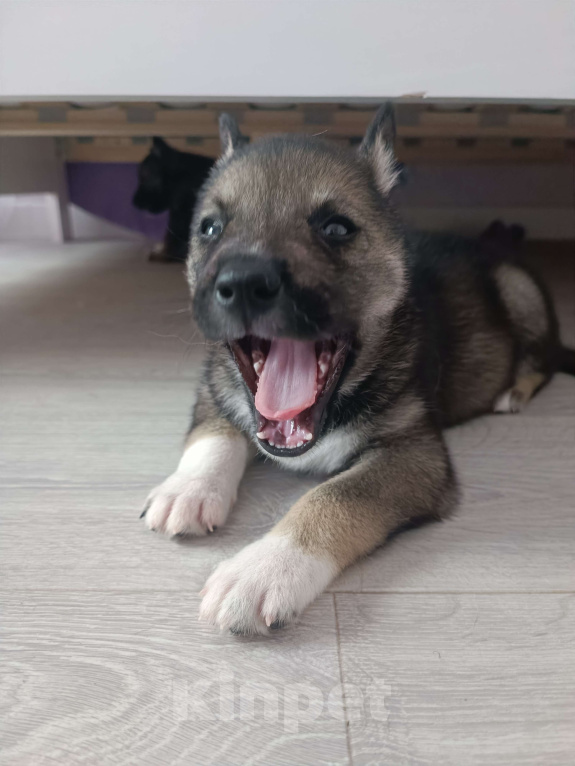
(515, 398)
(534, 326)
(198, 497)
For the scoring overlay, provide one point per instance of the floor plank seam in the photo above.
(453, 592)
(340, 664)
(333, 593)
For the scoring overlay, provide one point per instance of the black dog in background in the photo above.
(169, 180)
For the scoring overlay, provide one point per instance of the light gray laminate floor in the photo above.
(453, 645)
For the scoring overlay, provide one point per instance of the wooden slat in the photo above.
(113, 114)
(130, 152)
(12, 118)
(427, 151)
(152, 119)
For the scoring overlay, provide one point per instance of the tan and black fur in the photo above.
(440, 330)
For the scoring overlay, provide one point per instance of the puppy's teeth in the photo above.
(323, 363)
(271, 444)
(300, 444)
(261, 435)
(308, 437)
(258, 360)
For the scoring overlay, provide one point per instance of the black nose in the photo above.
(248, 284)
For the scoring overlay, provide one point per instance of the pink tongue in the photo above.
(287, 385)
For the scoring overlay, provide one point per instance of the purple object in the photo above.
(106, 189)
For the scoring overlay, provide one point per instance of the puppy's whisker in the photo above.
(178, 311)
(177, 236)
(179, 337)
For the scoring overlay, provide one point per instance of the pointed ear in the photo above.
(377, 148)
(159, 146)
(230, 136)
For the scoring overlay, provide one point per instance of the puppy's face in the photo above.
(152, 193)
(296, 263)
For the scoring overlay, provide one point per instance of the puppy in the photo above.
(340, 345)
(169, 180)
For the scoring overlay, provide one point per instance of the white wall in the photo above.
(29, 165)
(30, 218)
(33, 183)
(36, 218)
(87, 226)
(338, 49)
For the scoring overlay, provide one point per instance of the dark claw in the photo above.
(277, 625)
(180, 534)
(236, 632)
(146, 509)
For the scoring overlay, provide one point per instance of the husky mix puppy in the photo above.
(170, 180)
(342, 346)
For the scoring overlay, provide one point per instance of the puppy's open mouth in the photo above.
(291, 382)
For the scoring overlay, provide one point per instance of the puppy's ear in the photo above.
(159, 146)
(377, 149)
(230, 135)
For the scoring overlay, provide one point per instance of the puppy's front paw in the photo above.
(264, 586)
(184, 505)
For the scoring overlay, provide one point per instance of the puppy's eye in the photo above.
(337, 228)
(211, 228)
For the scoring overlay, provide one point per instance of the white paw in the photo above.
(184, 505)
(264, 586)
(199, 495)
(511, 401)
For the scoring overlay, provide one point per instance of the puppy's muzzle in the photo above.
(248, 286)
(257, 295)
